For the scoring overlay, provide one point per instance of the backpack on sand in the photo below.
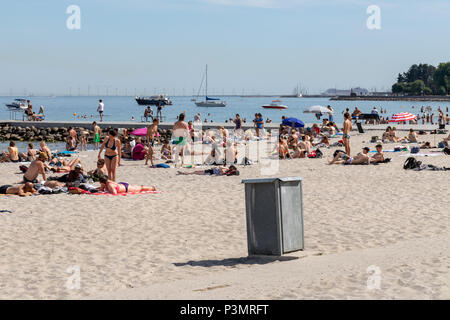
(411, 163)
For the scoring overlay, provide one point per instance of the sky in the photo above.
(250, 46)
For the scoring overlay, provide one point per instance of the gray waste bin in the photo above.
(274, 211)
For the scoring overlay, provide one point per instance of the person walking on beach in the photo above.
(152, 132)
(330, 115)
(159, 111)
(113, 153)
(346, 132)
(97, 132)
(181, 134)
(100, 109)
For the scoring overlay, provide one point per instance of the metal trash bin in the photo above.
(274, 210)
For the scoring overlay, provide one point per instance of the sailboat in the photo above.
(209, 102)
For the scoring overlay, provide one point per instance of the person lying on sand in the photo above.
(342, 158)
(36, 168)
(121, 187)
(218, 171)
(426, 145)
(19, 190)
(379, 155)
(67, 168)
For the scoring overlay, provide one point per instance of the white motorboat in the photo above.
(276, 104)
(17, 105)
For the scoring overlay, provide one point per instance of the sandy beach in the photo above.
(190, 242)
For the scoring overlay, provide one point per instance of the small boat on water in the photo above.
(276, 104)
(154, 100)
(17, 105)
(209, 102)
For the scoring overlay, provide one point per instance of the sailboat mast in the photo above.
(206, 91)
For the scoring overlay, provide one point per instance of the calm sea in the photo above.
(119, 108)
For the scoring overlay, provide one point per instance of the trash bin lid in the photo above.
(271, 180)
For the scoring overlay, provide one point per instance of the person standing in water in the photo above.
(346, 132)
(100, 109)
(113, 153)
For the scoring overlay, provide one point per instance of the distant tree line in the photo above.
(424, 79)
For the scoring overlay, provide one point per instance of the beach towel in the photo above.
(421, 154)
(104, 193)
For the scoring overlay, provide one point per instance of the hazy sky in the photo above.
(261, 46)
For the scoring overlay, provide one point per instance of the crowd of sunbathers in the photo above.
(43, 162)
(300, 143)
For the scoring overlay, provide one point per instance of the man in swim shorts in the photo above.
(36, 167)
(20, 190)
(97, 131)
(346, 132)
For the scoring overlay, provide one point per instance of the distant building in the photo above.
(338, 92)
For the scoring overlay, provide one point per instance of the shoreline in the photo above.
(392, 98)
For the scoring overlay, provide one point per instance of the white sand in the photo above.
(190, 241)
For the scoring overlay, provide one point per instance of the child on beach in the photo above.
(166, 151)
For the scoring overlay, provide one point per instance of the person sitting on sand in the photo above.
(36, 168)
(387, 135)
(12, 155)
(141, 153)
(305, 144)
(293, 139)
(32, 152)
(71, 143)
(283, 149)
(100, 171)
(218, 171)
(166, 151)
(75, 176)
(341, 157)
(412, 136)
(121, 187)
(298, 153)
(21, 190)
(394, 136)
(44, 148)
(379, 155)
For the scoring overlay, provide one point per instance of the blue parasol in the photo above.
(293, 121)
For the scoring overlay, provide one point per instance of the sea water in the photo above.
(124, 108)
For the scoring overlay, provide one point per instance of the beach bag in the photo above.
(415, 150)
(73, 190)
(162, 165)
(411, 163)
(441, 144)
(23, 168)
(446, 151)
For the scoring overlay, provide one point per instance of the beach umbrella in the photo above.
(402, 116)
(317, 109)
(293, 121)
(139, 132)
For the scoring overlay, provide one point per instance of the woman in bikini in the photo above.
(121, 187)
(113, 153)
